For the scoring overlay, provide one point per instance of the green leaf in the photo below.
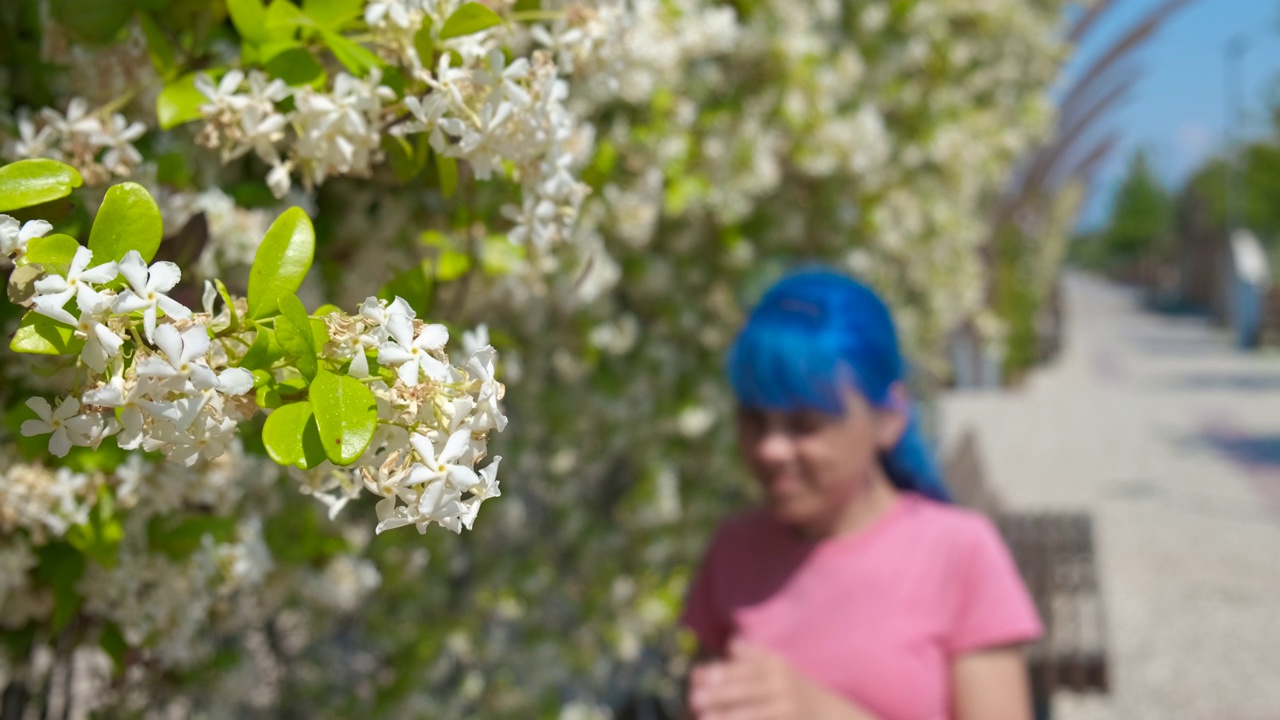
(59, 568)
(180, 101)
(158, 46)
(128, 219)
(452, 265)
(250, 20)
(500, 256)
(177, 536)
(32, 182)
(527, 6)
(293, 330)
(283, 19)
(332, 14)
(470, 18)
(447, 170)
(415, 285)
(268, 396)
(346, 413)
(40, 335)
(358, 59)
(326, 309)
(282, 261)
(264, 351)
(99, 538)
(423, 42)
(400, 157)
(292, 437)
(296, 66)
(54, 252)
(234, 317)
(93, 20)
(113, 642)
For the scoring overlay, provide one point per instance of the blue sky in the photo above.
(1177, 108)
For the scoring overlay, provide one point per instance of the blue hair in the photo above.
(815, 332)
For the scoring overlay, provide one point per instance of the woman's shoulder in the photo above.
(948, 523)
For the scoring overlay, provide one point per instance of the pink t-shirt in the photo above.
(877, 615)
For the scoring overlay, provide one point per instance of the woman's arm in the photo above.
(755, 684)
(991, 684)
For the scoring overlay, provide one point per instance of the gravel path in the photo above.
(1171, 438)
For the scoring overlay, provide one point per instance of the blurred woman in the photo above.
(856, 591)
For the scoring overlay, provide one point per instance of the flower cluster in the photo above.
(96, 143)
(163, 378)
(435, 417)
(500, 117)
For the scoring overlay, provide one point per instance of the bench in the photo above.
(1054, 552)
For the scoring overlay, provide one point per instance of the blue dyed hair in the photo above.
(815, 332)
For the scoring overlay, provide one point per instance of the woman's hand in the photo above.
(753, 683)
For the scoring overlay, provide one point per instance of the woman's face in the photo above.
(812, 465)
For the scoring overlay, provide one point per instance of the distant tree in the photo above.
(1141, 220)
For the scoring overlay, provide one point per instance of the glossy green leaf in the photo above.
(326, 309)
(250, 19)
(332, 14)
(292, 437)
(268, 396)
(283, 19)
(31, 182)
(128, 219)
(54, 252)
(470, 18)
(357, 59)
(282, 261)
(293, 331)
(180, 101)
(346, 413)
(447, 171)
(296, 66)
(264, 351)
(39, 335)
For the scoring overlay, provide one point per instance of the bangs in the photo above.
(782, 360)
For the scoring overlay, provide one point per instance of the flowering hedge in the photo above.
(318, 196)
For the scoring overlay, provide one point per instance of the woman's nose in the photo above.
(775, 446)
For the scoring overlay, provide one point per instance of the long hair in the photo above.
(815, 332)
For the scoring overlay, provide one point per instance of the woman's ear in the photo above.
(893, 418)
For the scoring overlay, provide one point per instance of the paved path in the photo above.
(1171, 438)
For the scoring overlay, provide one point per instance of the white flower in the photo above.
(445, 465)
(411, 353)
(147, 291)
(52, 421)
(180, 352)
(101, 342)
(56, 290)
(122, 156)
(223, 94)
(14, 236)
(393, 11)
(115, 394)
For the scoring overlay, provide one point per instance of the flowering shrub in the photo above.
(595, 188)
